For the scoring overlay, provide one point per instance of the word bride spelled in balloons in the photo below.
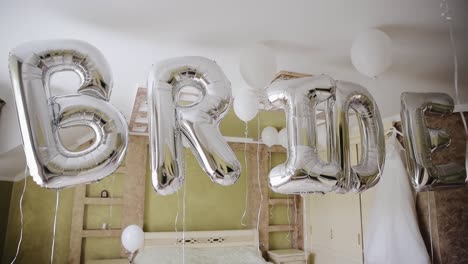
(41, 116)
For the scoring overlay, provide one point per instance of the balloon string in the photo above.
(246, 133)
(288, 236)
(269, 169)
(111, 208)
(295, 209)
(430, 225)
(306, 233)
(176, 221)
(55, 226)
(448, 17)
(184, 201)
(21, 216)
(258, 180)
(378, 160)
(361, 226)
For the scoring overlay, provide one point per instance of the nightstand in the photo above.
(287, 256)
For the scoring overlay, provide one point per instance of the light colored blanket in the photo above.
(220, 255)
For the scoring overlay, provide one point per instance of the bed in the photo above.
(201, 247)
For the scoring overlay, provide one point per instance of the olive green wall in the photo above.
(231, 126)
(38, 208)
(5, 194)
(208, 207)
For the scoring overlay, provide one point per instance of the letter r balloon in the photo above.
(197, 122)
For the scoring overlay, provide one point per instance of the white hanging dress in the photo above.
(392, 235)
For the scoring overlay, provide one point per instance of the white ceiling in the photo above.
(308, 36)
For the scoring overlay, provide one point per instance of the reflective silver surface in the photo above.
(304, 171)
(420, 141)
(197, 123)
(364, 175)
(41, 115)
(2, 104)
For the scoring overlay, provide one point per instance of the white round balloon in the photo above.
(133, 238)
(283, 138)
(246, 106)
(371, 52)
(269, 136)
(258, 66)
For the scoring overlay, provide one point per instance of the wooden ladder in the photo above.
(132, 200)
(296, 228)
(264, 226)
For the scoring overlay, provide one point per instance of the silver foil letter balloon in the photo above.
(421, 141)
(41, 115)
(367, 172)
(304, 171)
(198, 122)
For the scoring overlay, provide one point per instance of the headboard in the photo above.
(202, 239)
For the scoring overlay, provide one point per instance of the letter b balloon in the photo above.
(41, 115)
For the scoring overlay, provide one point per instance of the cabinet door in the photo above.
(319, 219)
(346, 225)
(320, 222)
(347, 236)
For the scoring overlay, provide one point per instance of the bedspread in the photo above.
(217, 255)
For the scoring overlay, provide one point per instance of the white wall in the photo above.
(9, 128)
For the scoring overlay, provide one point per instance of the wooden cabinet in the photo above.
(334, 226)
(335, 229)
